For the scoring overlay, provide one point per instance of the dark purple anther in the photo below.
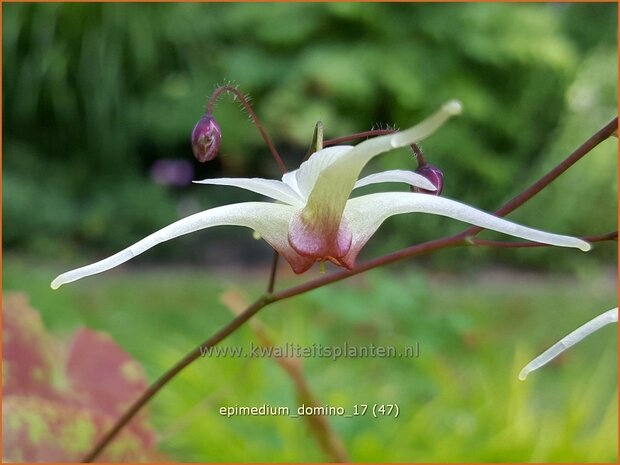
(206, 138)
(434, 175)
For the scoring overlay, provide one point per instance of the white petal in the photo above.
(573, 338)
(269, 187)
(366, 213)
(408, 177)
(309, 171)
(290, 179)
(268, 219)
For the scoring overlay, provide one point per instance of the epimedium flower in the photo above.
(314, 218)
(610, 316)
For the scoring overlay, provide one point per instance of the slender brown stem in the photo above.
(419, 155)
(172, 372)
(244, 101)
(418, 249)
(273, 272)
(581, 151)
(358, 135)
(372, 133)
(460, 239)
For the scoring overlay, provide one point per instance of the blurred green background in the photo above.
(95, 95)
(98, 97)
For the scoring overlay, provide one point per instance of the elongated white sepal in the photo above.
(571, 339)
(271, 188)
(408, 177)
(270, 220)
(366, 213)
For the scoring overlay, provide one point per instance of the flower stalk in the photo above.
(230, 89)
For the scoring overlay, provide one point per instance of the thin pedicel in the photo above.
(228, 88)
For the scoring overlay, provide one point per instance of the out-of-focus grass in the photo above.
(459, 401)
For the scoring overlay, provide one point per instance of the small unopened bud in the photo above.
(434, 175)
(206, 138)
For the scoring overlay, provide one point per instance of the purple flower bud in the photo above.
(206, 138)
(434, 175)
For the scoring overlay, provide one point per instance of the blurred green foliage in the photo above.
(94, 94)
(460, 401)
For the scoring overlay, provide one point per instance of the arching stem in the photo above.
(246, 104)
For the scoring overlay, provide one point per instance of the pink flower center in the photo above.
(320, 238)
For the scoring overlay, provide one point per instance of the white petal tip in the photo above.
(453, 107)
(523, 374)
(584, 246)
(55, 284)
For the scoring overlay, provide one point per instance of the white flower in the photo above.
(315, 220)
(610, 316)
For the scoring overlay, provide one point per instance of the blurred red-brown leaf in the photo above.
(58, 398)
(28, 352)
